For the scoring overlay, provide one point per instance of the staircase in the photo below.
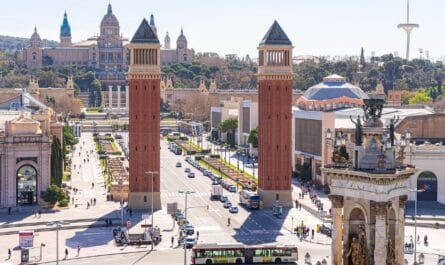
(85, 98)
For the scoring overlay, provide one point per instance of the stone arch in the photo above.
(427, 181)
(27, 183)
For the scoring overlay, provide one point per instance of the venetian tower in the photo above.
(144, 74)
(368, 195)
(275, 118)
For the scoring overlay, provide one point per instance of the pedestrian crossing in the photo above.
(173, 194)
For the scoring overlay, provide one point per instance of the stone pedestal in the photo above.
(142, 200)
(268, 198)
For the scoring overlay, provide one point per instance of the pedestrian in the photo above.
(35, 213)
(197, 234)
(40, 213)
(91, 201)
(78, 250)
(131, 212)
(92, 185)
(9, 210)
(66, 253)
(88, 205)
(312, 232)
(94, 200)
(299, 206)
(72, 200)
(173, 240)
(9, 253)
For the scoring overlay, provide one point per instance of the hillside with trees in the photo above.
(11, 45)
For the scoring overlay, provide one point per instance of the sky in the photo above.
(315, 27)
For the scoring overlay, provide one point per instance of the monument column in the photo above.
(110, 97)
(381, 241)
(400, 233)
(337, 229)
(118, 99)
(144, 74)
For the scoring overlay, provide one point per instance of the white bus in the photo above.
(249, 199)
(238, 253)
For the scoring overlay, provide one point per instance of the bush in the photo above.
(54, 194)
(64, 202)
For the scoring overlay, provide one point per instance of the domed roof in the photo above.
(35, 36)
(65, 29)
(334, 86)
(109, 19)
(181, 43)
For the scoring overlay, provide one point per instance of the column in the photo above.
(337, 229)
(110, 98)
(381, 243)
(118, 99)
(400, 230)
(127, 96)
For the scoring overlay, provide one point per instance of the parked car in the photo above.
(207, 173)
(178, 164)
(187, 170)
(191, 175)
(188, 229)
(232, 189)
(233, 209)
(190, 241)
(223, 199)
(227, 204)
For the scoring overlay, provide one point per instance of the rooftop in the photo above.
(145, 34)
(275, 36)
(334, 86)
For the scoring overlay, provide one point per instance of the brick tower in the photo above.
(144, 76)
(275, 118)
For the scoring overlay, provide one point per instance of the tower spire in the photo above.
(110, 9)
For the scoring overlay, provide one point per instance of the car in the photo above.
(190, 241)
(232, 189)
(233, 209)
(187, 170)
(188, 229)
(223, 199)
(207, 173)
(178, 164)
(191, 175)
(227, 204)
(215, 182)
(179, 216)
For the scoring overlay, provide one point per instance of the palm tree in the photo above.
(229, 126)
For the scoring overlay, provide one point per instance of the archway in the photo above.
(427, 181)
(26, 185)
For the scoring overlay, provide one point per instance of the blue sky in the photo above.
(316, 27)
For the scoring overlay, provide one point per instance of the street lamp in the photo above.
(415, 221)
(58, 224)
(185, 215)
(152, 173)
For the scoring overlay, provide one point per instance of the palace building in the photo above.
(107, 52)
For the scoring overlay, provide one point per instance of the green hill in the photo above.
(10, 44)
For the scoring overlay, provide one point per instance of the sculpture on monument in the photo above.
(392, 124)
(391, 254)
(358, 130)
(356, 252)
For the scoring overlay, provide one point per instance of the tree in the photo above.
(421, 97)
(54, 194)
(253, 137)
(68, 136)
(229, 126)
(362, 57)
(56, 162)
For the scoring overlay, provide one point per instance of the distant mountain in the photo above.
(10, 44)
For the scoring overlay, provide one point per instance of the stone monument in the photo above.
(368, 195)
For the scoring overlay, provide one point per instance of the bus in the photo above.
(249, 199)
(239, 253)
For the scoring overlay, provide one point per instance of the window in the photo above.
(145, 198)
(26, 185)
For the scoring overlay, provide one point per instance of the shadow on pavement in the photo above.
(261, 226)
(24, 212)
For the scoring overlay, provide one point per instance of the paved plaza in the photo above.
(86, 227)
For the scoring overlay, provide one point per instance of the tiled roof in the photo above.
(145, 34)
(275, 36)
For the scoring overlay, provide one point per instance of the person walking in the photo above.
(228, 221)
(78, 250)
(66, 253)
(9, 210)
(173, 240)
(9, 253)
(197, 234)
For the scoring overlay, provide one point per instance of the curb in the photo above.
(46, 222)
(60, 228)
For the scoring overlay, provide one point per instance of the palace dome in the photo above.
(109, 19)
(334, 86)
